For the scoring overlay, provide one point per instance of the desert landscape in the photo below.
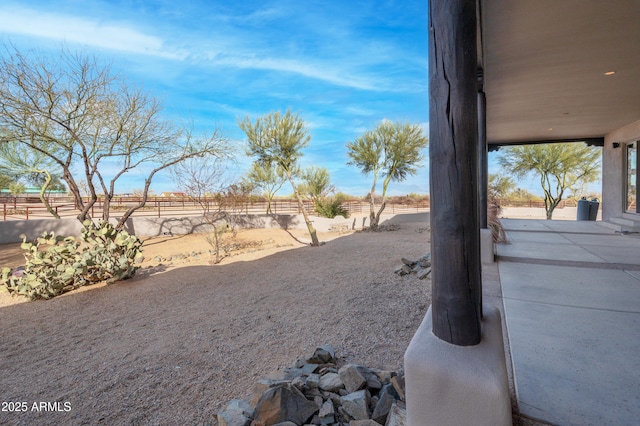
(177, 342)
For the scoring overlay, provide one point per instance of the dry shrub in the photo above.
(493, 222)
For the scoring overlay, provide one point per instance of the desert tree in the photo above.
(316, 183)
(91, 123)
(23, 163)
(5, 181)
(277, 139)
(499, 186)
(17, 188)
(205, 181)
(268, 178)
(559, 166)
(391, 151)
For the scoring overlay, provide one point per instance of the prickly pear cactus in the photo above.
(51, 268)
(55, 264)
(110, 254)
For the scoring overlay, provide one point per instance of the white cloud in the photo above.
(323, 72)
(86, 31)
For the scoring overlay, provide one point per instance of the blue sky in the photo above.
(343, 66)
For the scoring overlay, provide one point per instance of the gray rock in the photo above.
(284, 403)
(285, 424)
(387, 398)
(373, 381)
(333, 397)
(397, 415)
(352, 378)
(265, 384)
(292, 373)
(331, 382)
(327, 413)
(367, 422)
(398, 386)
(423, 273)
(237, 413)
(323, 355)
(299, 383)
(356, 404)
(384, 375)
(233, 418)
(313, 381)
(327, 368)
(408, 262)
(309, 368)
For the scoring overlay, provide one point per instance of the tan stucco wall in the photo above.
(613, 169)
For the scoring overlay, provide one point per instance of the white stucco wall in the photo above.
(614, 171)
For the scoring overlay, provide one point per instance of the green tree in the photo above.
(266, 177)
(316, 184)
(559, 166)
(500, 186)
(17, 188)
(23, 162)
(93, 125)
(391, 151)
(5, 181)
(277, 140)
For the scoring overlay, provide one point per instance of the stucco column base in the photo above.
(486, 246)
(457, 385)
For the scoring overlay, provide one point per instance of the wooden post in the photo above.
(453, 152)
(483, 153)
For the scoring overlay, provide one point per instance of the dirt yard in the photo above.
(177, 342)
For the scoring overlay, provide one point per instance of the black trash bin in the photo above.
(594, 204)
(583, 209)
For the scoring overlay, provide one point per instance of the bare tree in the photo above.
(72, 109)
(204, 181)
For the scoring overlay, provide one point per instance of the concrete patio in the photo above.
(571, 297)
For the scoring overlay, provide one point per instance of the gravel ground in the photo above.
(174, 347)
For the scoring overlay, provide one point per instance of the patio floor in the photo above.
(571, 295)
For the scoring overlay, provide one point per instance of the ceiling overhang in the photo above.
(546, 68)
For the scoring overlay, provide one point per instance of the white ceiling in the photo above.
(545, 62)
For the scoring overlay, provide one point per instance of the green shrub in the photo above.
(55, 265)
(331, 207)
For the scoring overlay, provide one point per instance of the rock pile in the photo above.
(420, 267)
(320, 391)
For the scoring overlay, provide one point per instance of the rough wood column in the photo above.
(453, 151)
(482, 149)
